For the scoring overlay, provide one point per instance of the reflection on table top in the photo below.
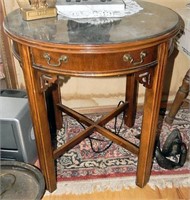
(152, 21)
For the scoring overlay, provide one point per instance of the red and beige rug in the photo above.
(96, 164)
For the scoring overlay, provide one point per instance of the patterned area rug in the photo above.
(96, 164)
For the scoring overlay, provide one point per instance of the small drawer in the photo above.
(93, 63)
(140, 57)
(47, 59)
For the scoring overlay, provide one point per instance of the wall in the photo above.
(90, 92)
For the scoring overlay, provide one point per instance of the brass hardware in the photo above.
(128, 58)
(63, 58)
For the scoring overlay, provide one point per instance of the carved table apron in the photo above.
(135, 46)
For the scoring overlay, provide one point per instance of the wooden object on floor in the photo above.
(130, 46)
(181, 95)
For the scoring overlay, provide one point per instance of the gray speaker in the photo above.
(16, 130)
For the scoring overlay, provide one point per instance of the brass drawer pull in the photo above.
(63, 58)
(128, 58)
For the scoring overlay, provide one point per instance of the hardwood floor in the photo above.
(133, 193)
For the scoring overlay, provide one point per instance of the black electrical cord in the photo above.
(116, 131)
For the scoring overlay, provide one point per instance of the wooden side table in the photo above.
(135, 46)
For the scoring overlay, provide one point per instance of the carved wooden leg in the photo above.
(131, 96)
(150, 119)
(181, 95)
(40, 119)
